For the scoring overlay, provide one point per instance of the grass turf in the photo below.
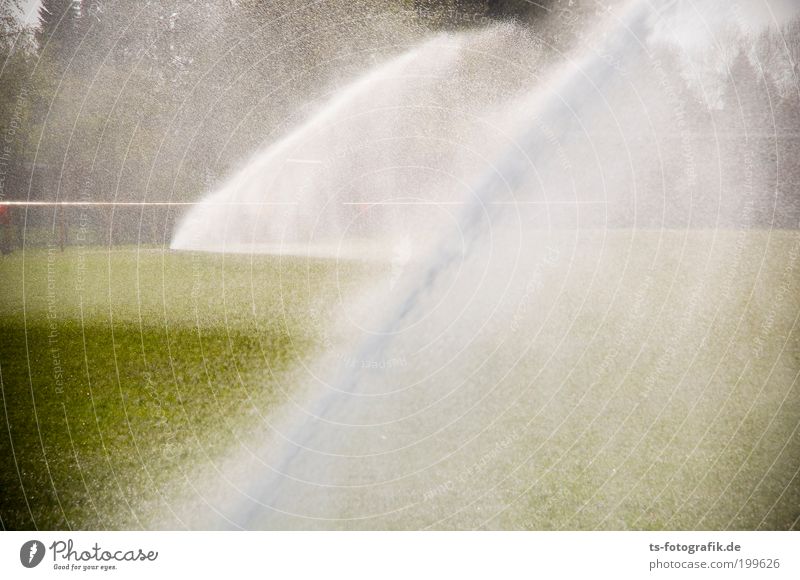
(121, 368)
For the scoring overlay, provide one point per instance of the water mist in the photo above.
(529, 203)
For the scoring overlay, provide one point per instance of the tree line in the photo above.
(110, 101)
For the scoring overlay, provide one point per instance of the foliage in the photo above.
(119, 101)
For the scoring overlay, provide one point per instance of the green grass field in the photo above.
(669, 400)
(122, 369)
(640, 379)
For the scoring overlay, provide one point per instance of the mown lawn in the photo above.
(630, 379)
(120, 369)
(638, 380)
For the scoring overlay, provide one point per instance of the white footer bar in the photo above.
(401, 555)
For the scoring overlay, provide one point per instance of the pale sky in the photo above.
(696, 24)
(30, 11)
(692, 24)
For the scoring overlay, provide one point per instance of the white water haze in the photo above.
(389, 154)
(484, 174)
(407, 136)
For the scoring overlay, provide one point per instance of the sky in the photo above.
(690, 23)
(29, 11)
(697, 24)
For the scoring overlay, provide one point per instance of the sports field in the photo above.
(654, 382)
(122, 369)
